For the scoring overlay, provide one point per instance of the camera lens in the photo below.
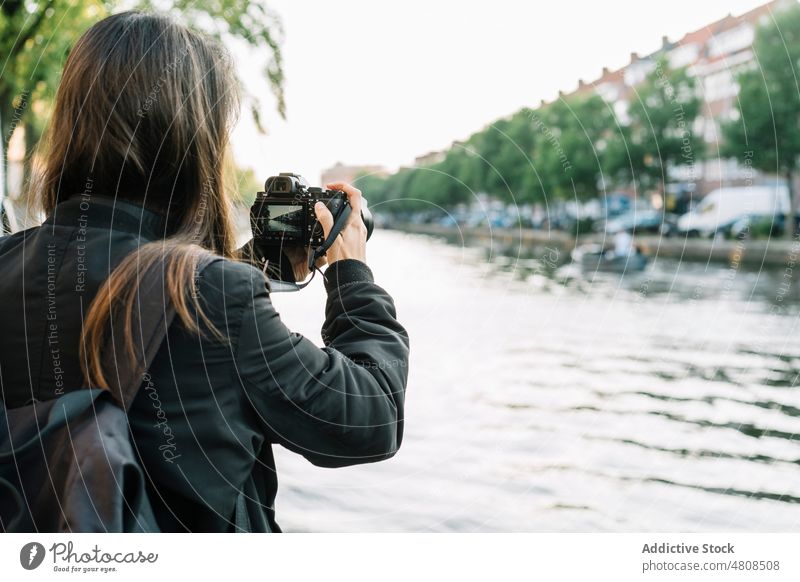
(369, 222)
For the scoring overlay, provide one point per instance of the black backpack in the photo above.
(67, 464)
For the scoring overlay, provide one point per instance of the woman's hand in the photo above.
(352, 240)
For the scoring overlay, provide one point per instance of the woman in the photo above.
(132, 168)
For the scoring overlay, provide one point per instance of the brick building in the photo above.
(344, 173)
(714, 55)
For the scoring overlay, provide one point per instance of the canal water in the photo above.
(542, 398)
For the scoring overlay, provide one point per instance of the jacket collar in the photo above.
(108, 212)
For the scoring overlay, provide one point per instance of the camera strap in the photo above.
(336, 229)
(315, 255)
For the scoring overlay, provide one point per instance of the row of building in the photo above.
(714, 55)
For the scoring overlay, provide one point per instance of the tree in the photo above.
(373, 186)
(389, 194)
(250, 21)
(524, 158)
(766, 132)
(35, 38)
(658, 135)
(499, 160)
(441, 184)
(572, 135)
(495, 156)
(514, 163)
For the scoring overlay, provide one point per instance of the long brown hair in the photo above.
(144, 110)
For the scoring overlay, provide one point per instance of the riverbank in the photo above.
(753, 253)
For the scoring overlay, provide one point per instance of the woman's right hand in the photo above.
(352, 240)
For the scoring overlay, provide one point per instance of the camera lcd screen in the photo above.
(285, 218)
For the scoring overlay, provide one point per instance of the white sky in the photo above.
(378, 82)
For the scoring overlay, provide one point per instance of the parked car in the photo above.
(614, 205)
(722, 208)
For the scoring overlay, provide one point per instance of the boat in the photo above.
(596, 258)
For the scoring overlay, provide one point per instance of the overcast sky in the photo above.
(380, 83)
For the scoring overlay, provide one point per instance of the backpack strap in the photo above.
(152, 317)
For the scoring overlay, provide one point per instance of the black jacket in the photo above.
(204, 420)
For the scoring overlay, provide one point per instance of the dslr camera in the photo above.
(283, 214)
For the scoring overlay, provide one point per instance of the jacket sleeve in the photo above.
(338, 405)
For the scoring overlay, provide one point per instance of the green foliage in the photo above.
(659, 133)
(583, 225)
(766, 132)
(502, 158)
(762, 228)
(250, 21)
(769, 99)
(35, 38)
(447, 186)
(532, 156)
(574, 136)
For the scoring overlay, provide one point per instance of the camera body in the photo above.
(283, 214)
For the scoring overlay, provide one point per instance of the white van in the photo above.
(725, 206)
